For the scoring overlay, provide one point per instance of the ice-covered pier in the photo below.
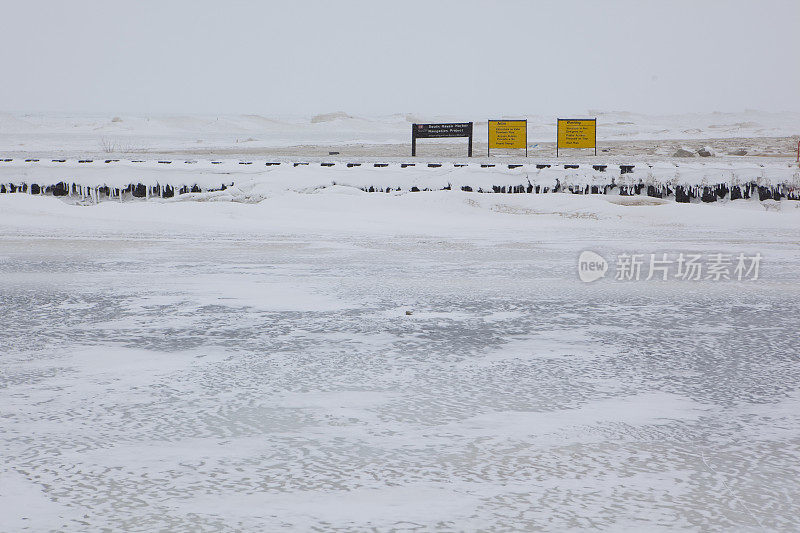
(95, 180)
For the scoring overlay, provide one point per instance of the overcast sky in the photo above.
(373, 57)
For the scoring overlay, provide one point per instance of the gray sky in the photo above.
(373, 57)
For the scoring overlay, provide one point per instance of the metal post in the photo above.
(469, 146)
(413, 140)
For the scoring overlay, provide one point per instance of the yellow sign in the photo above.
(508, 133)
(579, 133)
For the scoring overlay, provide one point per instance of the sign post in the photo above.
(438, 131)
(507, 134)
(576, 133)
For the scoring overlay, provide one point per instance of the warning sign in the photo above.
(508, 134)
(577, 133)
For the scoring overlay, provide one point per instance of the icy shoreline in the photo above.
(96, 180)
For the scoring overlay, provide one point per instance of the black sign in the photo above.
(432, 131)
(437, 131)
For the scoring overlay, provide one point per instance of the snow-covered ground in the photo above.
(333, 359)
(619, 134)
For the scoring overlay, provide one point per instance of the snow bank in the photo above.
(111, 178)
(212, 174)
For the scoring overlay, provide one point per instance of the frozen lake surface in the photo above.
(226, 367)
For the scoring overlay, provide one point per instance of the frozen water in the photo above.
(217, 380)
